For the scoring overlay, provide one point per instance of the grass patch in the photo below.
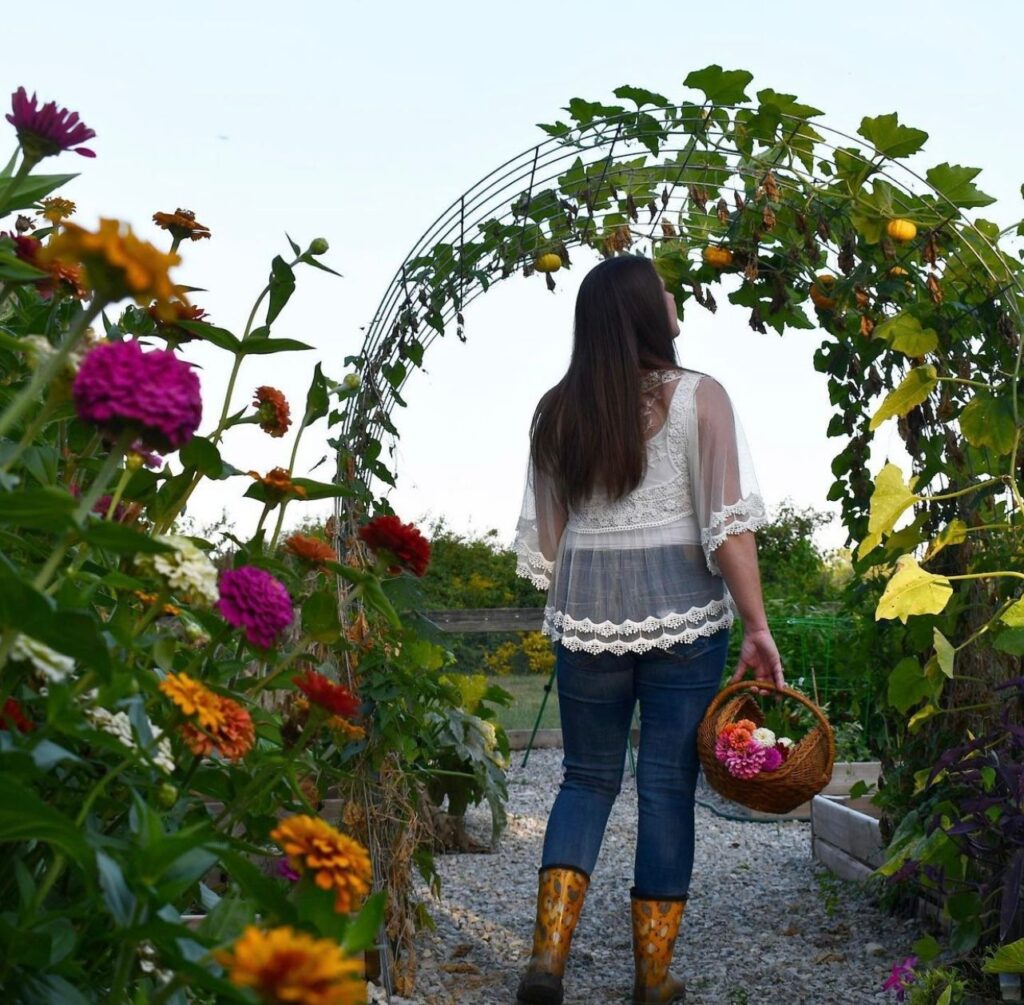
(528, 693)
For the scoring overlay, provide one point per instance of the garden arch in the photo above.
(801, 224)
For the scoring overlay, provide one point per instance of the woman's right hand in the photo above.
(759, 652)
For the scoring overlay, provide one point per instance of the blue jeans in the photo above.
(596, 695)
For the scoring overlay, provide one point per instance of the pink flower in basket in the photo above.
(745, 763)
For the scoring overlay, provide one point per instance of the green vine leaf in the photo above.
(912, 591)
(889, 137)
(955, 183)
(888, 501)
(905, 334)
(721, 87)
(987, 421)
(1013, 616)
(913, 389)
(955, 532)
(640, 96)
(945, 654)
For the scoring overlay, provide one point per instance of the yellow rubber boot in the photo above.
(560, 894)
(655, 927)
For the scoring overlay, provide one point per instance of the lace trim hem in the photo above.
(608, 628)
(665, 640)
(532, 565)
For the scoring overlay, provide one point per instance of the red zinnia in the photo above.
(43, 132)
(62, 277)
(272, 409)
(400, 540)
(12, 715)
(337, 699)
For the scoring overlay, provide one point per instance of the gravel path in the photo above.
(797, 955)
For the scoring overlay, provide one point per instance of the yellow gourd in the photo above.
(548, 263)
(818, 295)
(719, 258)
(901, 230)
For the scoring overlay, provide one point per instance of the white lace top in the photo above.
(640, 572)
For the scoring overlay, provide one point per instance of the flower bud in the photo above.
(351, 381)
(318, 246)
(167, 795)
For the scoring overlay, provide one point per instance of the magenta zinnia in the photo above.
(254, 600)
(43, 132)
(154, 393)
(747, 762)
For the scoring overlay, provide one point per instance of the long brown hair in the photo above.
(587, 431)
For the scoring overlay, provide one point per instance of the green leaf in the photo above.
(119, 899)
(33, 188)
(907, 685)
(926, 948)
(920, 717)
(722, 87)
(46, 508)
(219, 337)
(946, 997)
(987, 421)
(912, 590)
(362, 931)
(905, 334)
(282, 286)
(122, 540)
(1014, 614)
(228, 919)
(202, 454)
(888, 137)
(1010, 641)
(163, 653)
(913, 389)
(955, 532)
(1007, 959)
(955, 183)
(25, 817)
(944, 653)
(266, 346)
(13, 268)
(317, 400)
(49, 990)
(320, 616)
(640, 97)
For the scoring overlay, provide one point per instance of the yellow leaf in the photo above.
(870, 542)
(914, 389)
(1014, 614)
(912, 590)
(955, 532)
(891, 497)
(944, 652)
(918, 717)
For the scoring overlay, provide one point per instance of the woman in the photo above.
(637, 519)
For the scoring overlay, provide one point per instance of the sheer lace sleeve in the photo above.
(539, 530)
(726, 496)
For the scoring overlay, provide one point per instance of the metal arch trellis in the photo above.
(574, 172)
(400, 316)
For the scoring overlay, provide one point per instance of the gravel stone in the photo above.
(756, 928)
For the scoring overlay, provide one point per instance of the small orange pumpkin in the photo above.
(548, 263)
(819, 297)
(897, 270)
(718, 258)
(901, 230)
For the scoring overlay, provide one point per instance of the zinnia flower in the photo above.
(287, 967)
(120, 387)
(194, 699)
(772, 759)
(764, 736)
(310, 549)
(43, 132)
(278, 483)
(167, 319)
(56, 210)
(349, 730)
(232, 740)
(254, 600)
(272, 409)
(186, 570)
(49, 663)
(12, 715)
(389, 537)
(335, 698)
(59, 278)
(337, 861)
(181, 224)
(117, 264)
(747, 762)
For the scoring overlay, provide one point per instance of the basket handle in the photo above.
(741, 685)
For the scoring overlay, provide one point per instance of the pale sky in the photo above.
(361, 123)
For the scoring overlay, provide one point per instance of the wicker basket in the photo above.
(806, 771)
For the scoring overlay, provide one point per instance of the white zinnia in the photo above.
(764, 736)
(786, 742)
(54, 666)
(118, 725)
(186, 569)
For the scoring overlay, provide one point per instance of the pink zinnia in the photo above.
(745, 763)
(901, 977)
(772, 759)
(49, 130)
(722, 748)
(118, 387)
(254, 600)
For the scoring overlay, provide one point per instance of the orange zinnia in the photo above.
(338, 862)
(194, 698)
(273, 411)
(181, 223)
(116, 263)
(232, 741)
(310, 549)
(287, 967)
(278, 482)
(55, 209)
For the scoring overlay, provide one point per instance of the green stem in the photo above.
(284, 502)
(53, 872)
(964, 380)
(153, 613)
(42, 377)
(200, 658)
(102, 480)
(284, 665)
(996, 573)
(122, 484)
(124, 960)
(960, 492)
(31, 431)
(167, 990)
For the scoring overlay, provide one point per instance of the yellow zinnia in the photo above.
(117, 264)
(194, 698)
(338, 862)
(286, 967)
